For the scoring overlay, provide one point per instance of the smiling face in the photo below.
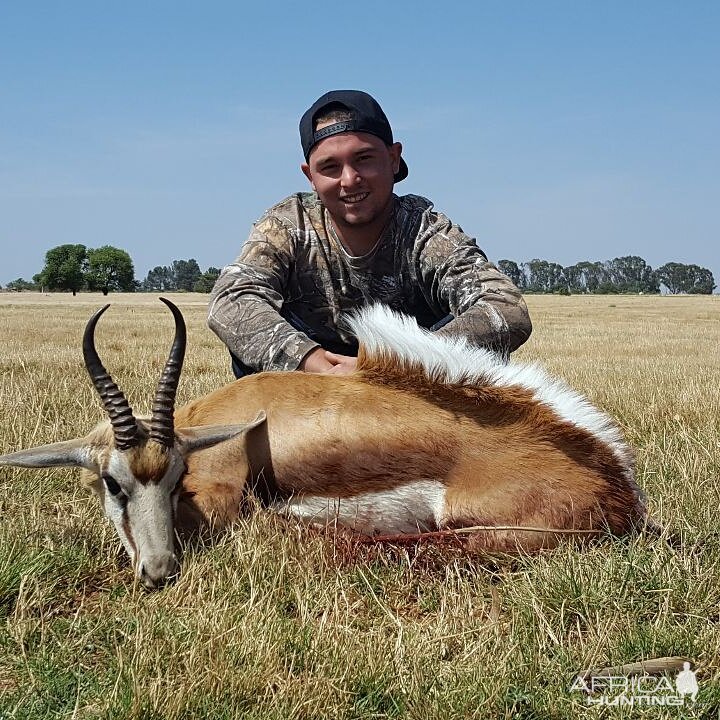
(352, 173)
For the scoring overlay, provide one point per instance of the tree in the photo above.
(184, 275)
(110, 269)
(206, 281)
(632, 274)
(543, 276)
(65, 267)
(21, 284)
(511, 269)
(680, 278)
(187, 273)
(703, 282)
(607, 288)
(585, 276)
(160, 279)
(672, 276)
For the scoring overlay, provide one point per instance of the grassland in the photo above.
(274, 622)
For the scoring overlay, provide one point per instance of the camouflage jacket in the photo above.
(293, 281)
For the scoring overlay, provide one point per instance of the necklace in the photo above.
(346, 250)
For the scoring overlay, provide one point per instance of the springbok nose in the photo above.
(156, 571)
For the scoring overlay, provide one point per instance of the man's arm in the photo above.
(245, 303)
(488, 308)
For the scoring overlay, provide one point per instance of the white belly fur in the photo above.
(415, 507)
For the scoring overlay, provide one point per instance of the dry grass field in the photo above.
(271, 621)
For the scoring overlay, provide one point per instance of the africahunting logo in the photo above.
(638, 689)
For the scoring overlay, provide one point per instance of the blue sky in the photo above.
(561, 130)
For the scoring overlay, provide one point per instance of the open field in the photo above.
(273, 622)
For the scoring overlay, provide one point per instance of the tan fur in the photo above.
(148, 461)
(101, 439)
(504, 458)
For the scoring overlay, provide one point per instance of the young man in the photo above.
(316, 256)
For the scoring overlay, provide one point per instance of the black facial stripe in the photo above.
(112, 485)
(128, 533)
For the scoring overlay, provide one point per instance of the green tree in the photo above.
(511, 269)
(595, 274)
(607, 288)
(65, 267)
(681, 278)
(702, 280)
(543, 276)
(187, 273)
(21, 284)
(585, 276)
(206, 282)
(110, 270)
(160, 279)
(672, 276)
(632, 274)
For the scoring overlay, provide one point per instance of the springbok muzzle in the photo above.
(159, 570)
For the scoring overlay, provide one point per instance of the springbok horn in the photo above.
(116, 406)
(162, 429)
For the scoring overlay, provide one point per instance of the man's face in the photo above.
(352, 173)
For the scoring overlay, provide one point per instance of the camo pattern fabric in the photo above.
(293, 281)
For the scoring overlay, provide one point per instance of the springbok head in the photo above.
(141, 466)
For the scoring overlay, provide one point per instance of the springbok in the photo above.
(428, 434)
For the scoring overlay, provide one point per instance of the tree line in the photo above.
(109, 269)
(72, 268)
(628, 274)
(180, 275)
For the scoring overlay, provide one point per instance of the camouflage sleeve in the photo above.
(487, 307)
(247, 298)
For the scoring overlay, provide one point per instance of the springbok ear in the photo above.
(69, 453)
(204, 436)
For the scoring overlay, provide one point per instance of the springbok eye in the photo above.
(112, 485)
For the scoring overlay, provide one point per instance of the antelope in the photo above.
(428, 434)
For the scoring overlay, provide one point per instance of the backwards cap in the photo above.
(367, 117)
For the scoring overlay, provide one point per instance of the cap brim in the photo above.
(402, 173)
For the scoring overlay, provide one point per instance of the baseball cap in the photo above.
(367, 117)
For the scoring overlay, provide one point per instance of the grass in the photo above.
(273, 621)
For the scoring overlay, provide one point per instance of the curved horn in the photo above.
(116, 406)
(162, 428)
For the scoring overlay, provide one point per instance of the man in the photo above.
(316, 256)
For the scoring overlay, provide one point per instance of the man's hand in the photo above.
(327, 363)
(342, 364)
